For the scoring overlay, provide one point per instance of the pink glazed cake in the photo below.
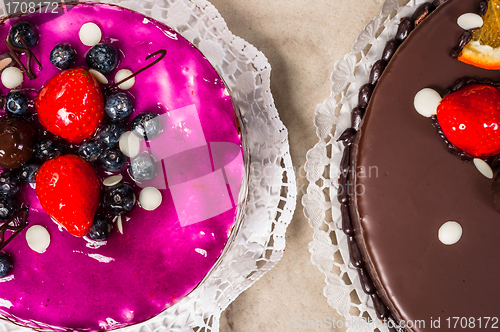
(162, 255)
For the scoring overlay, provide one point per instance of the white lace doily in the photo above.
(329, 249)
(260, 241)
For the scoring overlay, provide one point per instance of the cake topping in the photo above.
(450, 232)
(119, 199)
(101, 229)
(63, 56)
(102, 57)
(129, 144)
(90, 151)
(483, 48)
(16, 103)
(470, 21)
(470, 119)
(112, 180)
(5, 265)
(426, 102)
(98, 76)
(12, 77)
(121, 75)
(9, 206)
(118, 106)
(90, 34)
(17, 139)
(112, 160)
(69, 190)
(13, 219)
(71, 105)
(38, 238)
(483, 167)
(150, 198)
(28, 33)
(143, 167)
(146, 125)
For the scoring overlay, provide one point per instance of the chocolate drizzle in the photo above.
(345, 191)
(15, 224)
(163, 53)
(29, 55)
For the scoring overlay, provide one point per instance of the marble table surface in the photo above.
(302, 40)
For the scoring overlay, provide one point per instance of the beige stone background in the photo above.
(302, 40)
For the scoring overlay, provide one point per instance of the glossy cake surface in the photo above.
(163, 254)
(415, 185)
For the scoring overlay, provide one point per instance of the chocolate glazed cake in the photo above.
(393, 220)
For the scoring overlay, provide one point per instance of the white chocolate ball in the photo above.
(120, 75)
(12, 77)
(426, 102)
(150, 198)
(90, 34)
(129, 144)
(450, 232)
(38, 238)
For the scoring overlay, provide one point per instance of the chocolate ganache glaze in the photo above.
(415, 185)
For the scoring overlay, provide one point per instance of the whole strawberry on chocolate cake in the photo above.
(423, 233)
(120, 168)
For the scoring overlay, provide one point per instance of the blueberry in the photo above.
(143, 167)
(27, 31)
(90, 151)
(9, 183)
(102, 57)
(109, 135)
(63, 56)
(112, 160)
(118, 106)
(47, 149)
(5, 265)
(120, 198)
(9, 206)
(28, 172)
(146, 125)
(16, 102)
(100, 230)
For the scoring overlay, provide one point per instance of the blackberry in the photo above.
(118, 106)
(119, 199)
(47, 149)
(143, 167)
(112, 160)
(109, 135)
(146, 125)
(9, 206)
(102, 57)
(90, 151)
(63, 56)
(28, 172)
(9, 183)
(16, 102)
(5, 265)
(100, 230)
(27, 31)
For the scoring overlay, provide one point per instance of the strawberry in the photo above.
(69, 191)
(71, 105)
(470, 119)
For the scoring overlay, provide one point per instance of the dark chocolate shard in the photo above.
(15, 224)
(29, 55)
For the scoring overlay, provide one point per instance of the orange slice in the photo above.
(483, 50)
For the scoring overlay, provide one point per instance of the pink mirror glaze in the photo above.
(165, 253)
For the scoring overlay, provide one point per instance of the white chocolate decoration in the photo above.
(12, 77)
(150, 198)
(483, 167)
(450, 232)
(129, 144)
(38, 238)
(112, 180)
(98, 76)
(122, 74)
(90, 34)
(470, 21)
(426, 102)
